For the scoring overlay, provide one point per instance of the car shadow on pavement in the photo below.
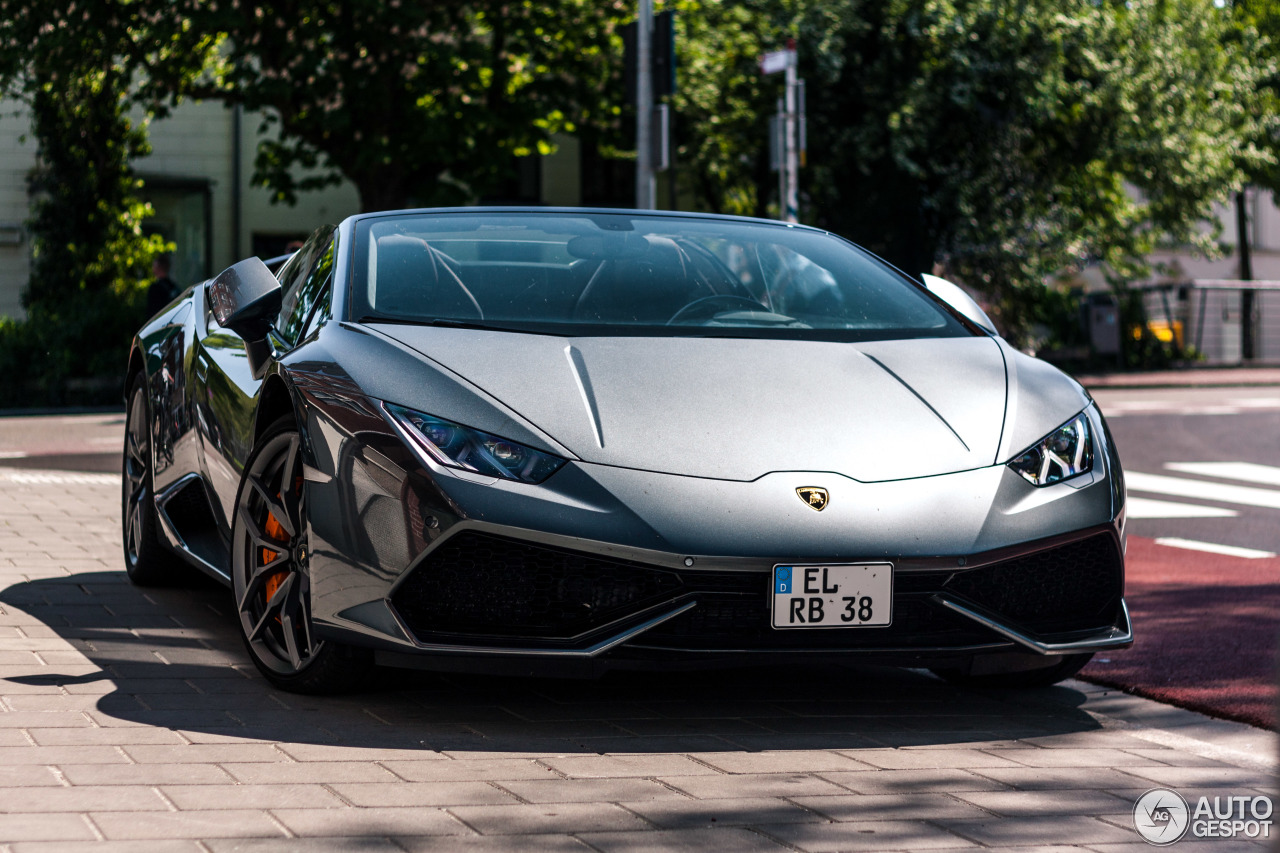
(172, 658)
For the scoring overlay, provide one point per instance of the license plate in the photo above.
(855, 596)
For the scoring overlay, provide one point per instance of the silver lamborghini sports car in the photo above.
(566, 441)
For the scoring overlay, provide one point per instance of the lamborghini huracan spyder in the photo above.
(565, 441)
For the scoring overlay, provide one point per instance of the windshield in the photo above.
(609, 274)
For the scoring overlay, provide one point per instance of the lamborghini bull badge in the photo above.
(813, 497)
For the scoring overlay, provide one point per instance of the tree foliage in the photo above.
(1001, 141)
(89, 256)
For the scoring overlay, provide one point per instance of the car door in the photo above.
(225, 389)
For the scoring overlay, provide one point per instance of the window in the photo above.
(304, 279)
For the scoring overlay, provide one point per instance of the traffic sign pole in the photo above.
(646, 185)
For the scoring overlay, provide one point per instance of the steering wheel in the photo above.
(715, 302)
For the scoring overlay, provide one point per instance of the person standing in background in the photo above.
(163, 289)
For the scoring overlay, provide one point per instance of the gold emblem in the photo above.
(813, 497)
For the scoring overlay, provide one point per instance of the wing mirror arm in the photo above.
(246, 298)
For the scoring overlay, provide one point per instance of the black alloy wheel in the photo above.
(269, 569)
(145, 559)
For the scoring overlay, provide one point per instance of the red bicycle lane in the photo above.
(1206, 628)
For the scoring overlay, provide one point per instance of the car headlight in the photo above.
(457, 446)
(1062, 454)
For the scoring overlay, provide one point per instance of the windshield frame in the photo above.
(360, 311)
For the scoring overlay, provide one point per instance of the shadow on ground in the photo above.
(172, 658)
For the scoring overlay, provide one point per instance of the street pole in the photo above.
(791, 199)
(1246, 274)
(646, 185)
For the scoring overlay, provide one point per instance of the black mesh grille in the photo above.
(1069, 588)
(479, 587)
(477, 584)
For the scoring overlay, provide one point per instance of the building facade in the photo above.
(197, 181)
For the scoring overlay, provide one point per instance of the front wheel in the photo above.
(270, 575)
(145, 559)
(1059, 668)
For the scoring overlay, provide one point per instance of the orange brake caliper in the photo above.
(277, 532)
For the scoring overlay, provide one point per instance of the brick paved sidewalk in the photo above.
(132, 720)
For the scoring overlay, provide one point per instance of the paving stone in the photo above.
(59, 754)
(728, 840)
(559, 817)
(1044, 829)
(100, 736)
(795, 761)
(1076, 758)
(342, 752)
(1030, 804)
(195, 797)
(889, 807)
(205, 753)
(492, 844)
(591, 790)
(1059, 778)
(946, 780)
(605, 766)
(240, 823)
(470, 769)
(753, 785)
(309, 771)
(344, 844)
(172, 846)
(44, 827)
(865, 836)
(680, 813)
(375, 822)
(399, 794)
(144, 774)
(931, 759)
(1200, 777)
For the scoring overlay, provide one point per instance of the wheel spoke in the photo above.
(287, 613)
(274, 604)
(260, 537)
(292, 504)
(134, 531)
(274, 507)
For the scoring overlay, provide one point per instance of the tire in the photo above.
(1060, 669)
(270, 577)
(146, 560)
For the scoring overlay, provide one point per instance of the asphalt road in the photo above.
(1168, 440)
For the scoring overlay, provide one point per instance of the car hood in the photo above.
(737, 409)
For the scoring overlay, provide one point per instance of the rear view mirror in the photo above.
(245, 298)
(959, 300)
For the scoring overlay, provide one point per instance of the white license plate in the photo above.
(833, 596)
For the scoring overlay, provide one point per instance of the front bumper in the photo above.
(431, 568)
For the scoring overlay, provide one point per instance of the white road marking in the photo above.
(1257, 402)
(1248, 472)
(1121, 408)
(13, 454)
(1211, 548)
(57, 478)
(1148, 508)
(1199, 489)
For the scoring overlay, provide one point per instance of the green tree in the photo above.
(430, 102)
(90, 258)
(1010, 141)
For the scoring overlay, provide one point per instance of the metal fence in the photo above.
(1206, 314)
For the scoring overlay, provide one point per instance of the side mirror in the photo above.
(246, 298)
(959, 300)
